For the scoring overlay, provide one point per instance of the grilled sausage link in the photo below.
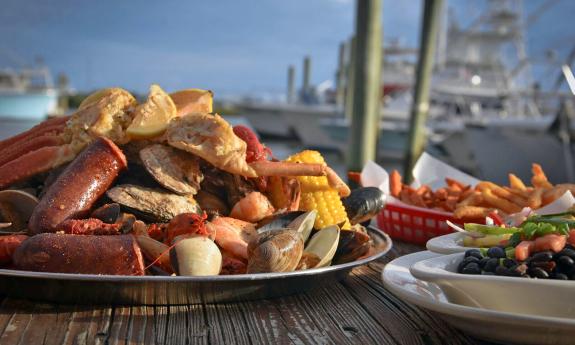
(83, 254)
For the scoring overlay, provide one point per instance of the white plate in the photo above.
(481, 323)
(543, 297)
(447, 244)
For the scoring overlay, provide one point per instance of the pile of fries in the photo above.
(472, 203)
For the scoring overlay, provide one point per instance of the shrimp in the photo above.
(252, 208)
(233, 235)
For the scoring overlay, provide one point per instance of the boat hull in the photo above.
(28, 106)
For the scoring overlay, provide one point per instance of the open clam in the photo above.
(363, 204)
(324, 245)
(175, 170)
(275, 251)
(152, 204)
(16, 206)
(196, 256)
(299, 221)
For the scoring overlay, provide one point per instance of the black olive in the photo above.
(565, 262)
(483, 262)
(501, 271)
(466, 261)
(496, 252)
(474, 252)
(541, 257)
(471, 268)
(560, 276)
(566, 251)
(538, 273)
(508, 263)
(491, 265)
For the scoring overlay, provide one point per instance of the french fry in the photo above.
(451, 202)
(505, 194)
(395, 183)
(453, 182)
(471, 212)
(466, 192)
(474, 199)
(423, 190)
(535, 199)
(520, 193)
(500, 203)
(539, 180)
(516, 183)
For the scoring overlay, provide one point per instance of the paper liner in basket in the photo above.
(427, 170)
(431, 171)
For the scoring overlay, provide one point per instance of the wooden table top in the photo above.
(358, 310)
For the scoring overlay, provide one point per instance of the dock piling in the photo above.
(291, 85)
(366, 84)
(420, 107)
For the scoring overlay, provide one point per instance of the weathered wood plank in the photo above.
(197, 325)
(140, 329)
(88, 326)
(18, 323)
(177, 327)
(119, 327)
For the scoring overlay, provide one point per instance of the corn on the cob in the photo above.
(317, 194)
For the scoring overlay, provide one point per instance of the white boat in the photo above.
(27, 94)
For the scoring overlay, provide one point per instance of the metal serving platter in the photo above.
(171, 290)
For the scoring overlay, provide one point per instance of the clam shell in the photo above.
(363, 204)
(196, 256)
(16, 207)
(175, 170)
(275, 251)
(156, 205)
(324, 244)
(278, 221)
(304, 224)
(308, 261)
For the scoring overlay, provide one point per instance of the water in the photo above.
(11, 127)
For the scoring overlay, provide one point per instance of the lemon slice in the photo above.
(193, 101)
(152, 117)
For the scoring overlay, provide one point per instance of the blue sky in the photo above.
(229, 46)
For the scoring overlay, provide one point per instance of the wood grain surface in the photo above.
(358, 310)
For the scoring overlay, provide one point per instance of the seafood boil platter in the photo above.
(164, 202)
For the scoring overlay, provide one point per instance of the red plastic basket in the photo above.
(413, 224)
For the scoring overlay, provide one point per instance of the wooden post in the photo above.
(420, 106)
(367, 84)
(340, 76)
(348, 101)
(291, 85)
(306, 74)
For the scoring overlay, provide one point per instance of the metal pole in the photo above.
(291, 84)
(340, 76)
(420, 106)
(366, 84)
(348, 101)
(306, 74)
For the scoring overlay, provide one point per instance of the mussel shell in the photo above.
(108, 213)
(154, 205)
(363, 204)
(352, 245)
(278, 221)
(16, 207)
(275, 251)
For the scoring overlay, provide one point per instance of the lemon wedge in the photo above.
(152, 117)
(193, 101)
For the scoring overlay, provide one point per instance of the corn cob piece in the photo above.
(316, 194)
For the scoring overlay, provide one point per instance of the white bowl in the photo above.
(542, 297)
(447, 244)
(478, 322)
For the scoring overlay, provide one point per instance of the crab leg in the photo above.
(30, 144)
(54, 125)
(269, 168)
(34, 162)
